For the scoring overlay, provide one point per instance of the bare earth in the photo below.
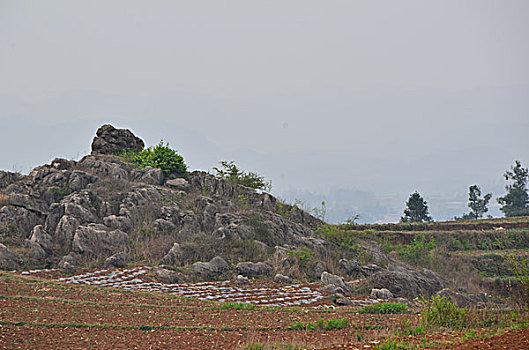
(38, 313)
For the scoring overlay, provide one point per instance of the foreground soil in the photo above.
(37, 313)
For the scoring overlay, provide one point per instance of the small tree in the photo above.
(516, 201)
(416, 209)
(232, 173)
(477, 205)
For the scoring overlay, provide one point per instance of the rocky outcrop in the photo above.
(95, 240)
(407, 282)
(110, 140)
(464, 300)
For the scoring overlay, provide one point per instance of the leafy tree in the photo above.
(162, 157)
(477, 205)
(416, 209)
(232, 173)
(516, 201)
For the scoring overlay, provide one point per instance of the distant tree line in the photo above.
(514, 203)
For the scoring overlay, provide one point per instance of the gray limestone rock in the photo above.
(328, 278)
(175, 257)
(250, 269)
(150, 175)
(40, 236)
(214, 267)
(319, 269)
(34, 252)
(8, 260)
(93, 240)
(406, 282)
(117, 260)
(382, 293)
(341, 300)
(65, 230)
(115, 222)
(165, 276)
(110, 140)
(178, 184)
(242, 280)
(351, 267)
(282, 279)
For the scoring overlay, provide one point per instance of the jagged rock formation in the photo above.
(110, 140)
(100, 207)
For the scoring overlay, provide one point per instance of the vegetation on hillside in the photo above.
(160, 156)
(230, 171)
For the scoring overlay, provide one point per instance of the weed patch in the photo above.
(384, 308)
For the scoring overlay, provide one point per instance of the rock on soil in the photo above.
(117, 260)
(381, 293)
(282, 279)
(406, 282)
(337, 281)
(164, 275)
(250, 269)
(214, 267)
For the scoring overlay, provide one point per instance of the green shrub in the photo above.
(309, 326)
(333, 324)
(519, 267)
(232, 173)
(419, 250)
(442, 312)
(161, 157)
(384, 308)
(303, 254)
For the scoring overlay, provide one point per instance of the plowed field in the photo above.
(38, 313)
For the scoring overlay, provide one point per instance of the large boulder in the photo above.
(250, 269)
(337, 281)
(95, 240)
(34, 252)
(351, 267)
(464, 300)
(282, 279)
(8, 260)
(165, 276)
(406, 282)
(381, 293)
(175, 256)
(117, 260)
(110, 140)
(214, 267)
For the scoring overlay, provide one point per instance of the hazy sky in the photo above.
(319, 96)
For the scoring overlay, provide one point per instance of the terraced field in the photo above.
(39, 313)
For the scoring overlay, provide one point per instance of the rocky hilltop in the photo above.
(102, 210)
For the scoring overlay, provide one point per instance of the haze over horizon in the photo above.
(355, 103)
